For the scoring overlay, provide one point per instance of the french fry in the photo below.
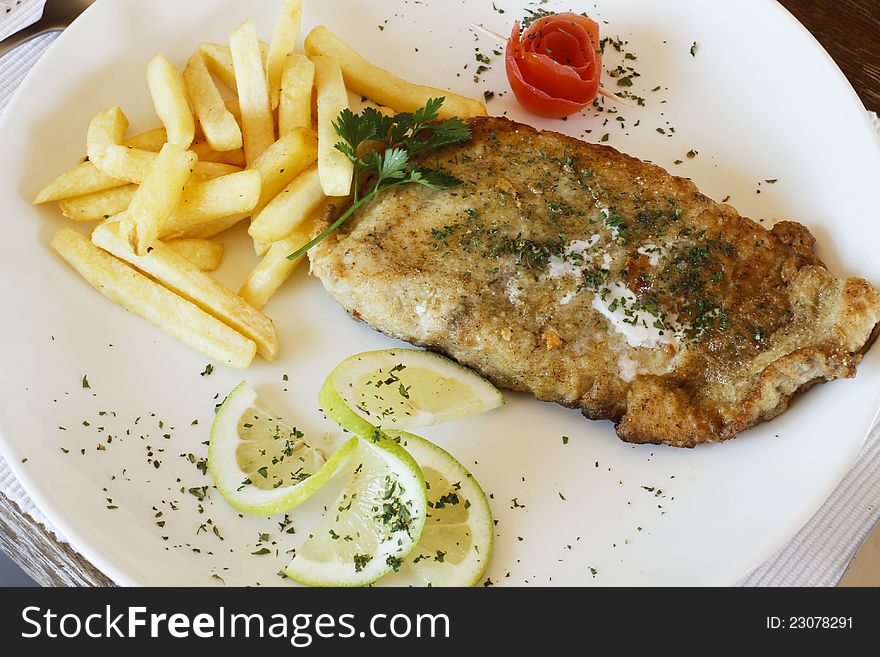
(207, 230)
(182, 277)
(128, 164)
(335, 170)
(383, 87)
(257, 122)
(204, 254)
(134, 165)
(135, 292)
(205, 202)
(275, 268)
(295, 103)
(105, 149)
(219, 61)
(283, 161)
(156, 198)
(211, 170)
(282, 44)
(260, 248)
(106, 129)
(208, 154)
(357, 103)
(234, 108)
(171, 100)
(84, 178)
(151, 140)
(219, 125)
(131, 162)
(99, 205)
(289, 208)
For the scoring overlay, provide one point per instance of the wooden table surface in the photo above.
(848, 29)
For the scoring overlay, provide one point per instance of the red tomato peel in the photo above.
(554, 67)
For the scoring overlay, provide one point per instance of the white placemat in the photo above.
(816, 556)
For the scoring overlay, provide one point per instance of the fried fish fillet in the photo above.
(600, 282)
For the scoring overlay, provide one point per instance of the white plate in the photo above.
(760, 100)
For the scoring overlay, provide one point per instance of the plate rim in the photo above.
(122, 578)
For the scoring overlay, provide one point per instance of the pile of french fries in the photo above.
(247, 132)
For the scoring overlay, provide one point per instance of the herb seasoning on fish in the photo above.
(401, 137)
(590, 278)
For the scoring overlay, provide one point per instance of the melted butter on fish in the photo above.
(574, 258)
(639, 326)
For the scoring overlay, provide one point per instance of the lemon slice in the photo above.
(373, 525)
(457, 541)
(260, 464)
(403, 389)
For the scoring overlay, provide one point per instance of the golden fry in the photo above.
(358, 103)
(151, 140)
(257, 122)
(171, 100)
(105, 149)
(182, 277)
(106, 129)
(99, 205)
(219, 61)
(289, 208)
(204, 254)
(117, 163)
(283, 41)
(295, 104)
(211, 170)
(234, 108)
(283, 161)
(219, 125)
(208, 154)
(206, 230)
(156, 198)
(275, 268)
(334, 169)
(84, 178)
(205, 202)
(176, 316)
(383, 87)
(134, 165)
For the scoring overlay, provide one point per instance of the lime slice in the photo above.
(403, 389)
(373, 525)
(456, 543)
(260, 464)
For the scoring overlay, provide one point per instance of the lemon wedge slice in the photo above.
(459, 532)
(374, 524)
(403, 389)
(262, 465)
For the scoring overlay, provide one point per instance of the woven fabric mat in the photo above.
(816, 556)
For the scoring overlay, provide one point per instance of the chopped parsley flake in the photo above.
(361, 561)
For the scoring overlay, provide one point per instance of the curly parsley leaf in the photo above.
(392, 165)
(433, 178)
(382, 148)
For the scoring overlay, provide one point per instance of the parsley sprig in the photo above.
(382, 149)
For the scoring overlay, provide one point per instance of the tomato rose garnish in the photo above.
(554, 67)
